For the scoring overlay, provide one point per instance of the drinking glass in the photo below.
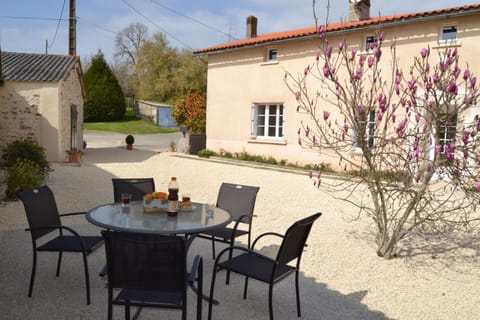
(126, 197)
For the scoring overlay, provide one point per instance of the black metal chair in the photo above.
(137, 187)
(150, 271)
(239, 201)
(254, 265)
(43, 218)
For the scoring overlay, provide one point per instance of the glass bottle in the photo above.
(172, 197)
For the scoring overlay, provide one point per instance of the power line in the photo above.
(58, 25)
(152, 22)
(229, 35)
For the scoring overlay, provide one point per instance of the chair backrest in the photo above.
(41, 209)
(145, 261)
(137, 187)
(295, 239)
(237, 199)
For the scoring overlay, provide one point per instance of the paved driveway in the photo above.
(154, 142)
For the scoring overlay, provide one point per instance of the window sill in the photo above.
(447, 44)
(267, 63)
(268, 141)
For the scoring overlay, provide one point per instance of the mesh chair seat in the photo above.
(257, 266)
(225, 233)
(71, 244)
(148, 298)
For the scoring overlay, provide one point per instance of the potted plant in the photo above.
(129, 140)
(191, 111)
(74, 155)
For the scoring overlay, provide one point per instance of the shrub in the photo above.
(191, 111)
(26, 149)
(205, 153)
(129, 139)
(23, 175)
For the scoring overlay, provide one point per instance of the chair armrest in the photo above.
(266, 234)
(75, 233)
(246, 250)
(197, 267)
(72, 214)
(237, 222)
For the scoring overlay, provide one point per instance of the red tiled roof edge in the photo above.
(337, 26)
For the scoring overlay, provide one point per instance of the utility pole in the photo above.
(72, 30)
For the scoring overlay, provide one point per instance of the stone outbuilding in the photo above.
(42, 97)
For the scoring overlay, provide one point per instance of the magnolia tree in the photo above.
(409, 137)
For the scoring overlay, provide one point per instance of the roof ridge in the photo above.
(334, 26)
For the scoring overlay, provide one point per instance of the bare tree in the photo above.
(127, 46)
(128, 42)
(414, 133)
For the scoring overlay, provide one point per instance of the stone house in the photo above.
(250, 108)
(42, 97)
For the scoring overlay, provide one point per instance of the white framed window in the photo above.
(272, 54)
(267, 121)
(368, 124)
(370, 42)
(449, 34)
(447, 130)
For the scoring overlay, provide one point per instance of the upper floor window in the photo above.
(272, 55)
(267, 120)
(370, 42)
(449, 33)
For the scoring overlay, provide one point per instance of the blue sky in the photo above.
(26, 25)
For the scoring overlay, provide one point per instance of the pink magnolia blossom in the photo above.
(466, 74)
(329, 51)
(381, 36)
(298, 95)
(473, 81)
(401, 126)
(340, 45)
(310, 174)
(417, 117)
(354, 53)
(424, 53)
(326, 114)
(438, 149)
(477, 186)
(370, 61)
(326, 71)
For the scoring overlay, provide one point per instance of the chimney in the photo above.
(251, 27)
(358, 10)
(1, 71)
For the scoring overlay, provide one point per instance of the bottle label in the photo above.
(172, 206)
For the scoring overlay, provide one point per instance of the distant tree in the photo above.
(127, 45)
(157, 64)
(191, 75)
(105, 100)
(165, 74)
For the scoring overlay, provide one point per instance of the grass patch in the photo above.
(130, 124)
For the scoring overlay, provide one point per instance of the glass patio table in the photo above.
(133, 218)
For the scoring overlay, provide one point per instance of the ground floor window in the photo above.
(368, 126)
(447, 131)
(267, 121)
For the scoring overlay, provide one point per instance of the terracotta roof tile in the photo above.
(35, 67)
(337, 26)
